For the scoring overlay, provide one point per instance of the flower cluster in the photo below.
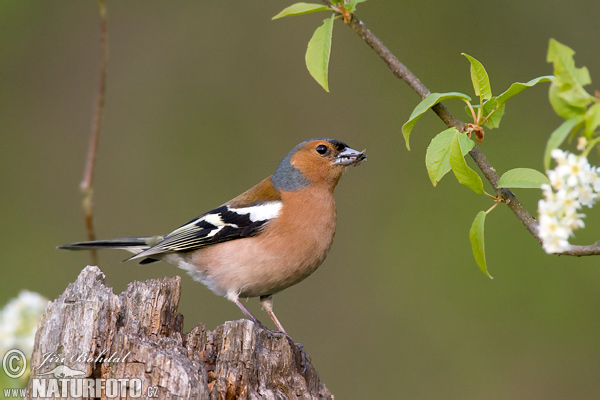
(19, 320)
(573, 185)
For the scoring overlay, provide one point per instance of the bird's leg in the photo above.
(248, 313)
(253, 318)
(267, 305)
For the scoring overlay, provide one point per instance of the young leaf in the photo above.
(425, 105)
(568, 101)
(590, 145)
(564, 63)
(318, 52)
(518, 87)
(299, 9)
(351, 6)
(480, 78)
(567, 95)
(522, 178)
(558, 136)
(464, 174)
(490, 105)
(437, 158)
(477, 243)
(498, 103)
(592, 120)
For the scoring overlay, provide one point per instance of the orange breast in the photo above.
(291, 248)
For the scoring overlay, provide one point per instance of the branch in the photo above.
(88, 176)
(402, 72)
(93, 337)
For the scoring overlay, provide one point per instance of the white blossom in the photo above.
(559, 156)
(19, 320)
(587, 196)
(573, 184)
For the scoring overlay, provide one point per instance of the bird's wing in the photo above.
(219, 225)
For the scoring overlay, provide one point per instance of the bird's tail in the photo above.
(133, 245)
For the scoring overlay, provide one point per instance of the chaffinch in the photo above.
(268, 238)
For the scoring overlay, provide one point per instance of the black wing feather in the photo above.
(217, 226)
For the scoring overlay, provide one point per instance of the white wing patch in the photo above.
(261, 212)
(219, 225)
(214, 219)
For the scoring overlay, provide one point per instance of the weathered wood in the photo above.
(139, 334)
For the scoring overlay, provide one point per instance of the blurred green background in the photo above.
(203, 100)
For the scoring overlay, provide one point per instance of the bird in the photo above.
(268, 238)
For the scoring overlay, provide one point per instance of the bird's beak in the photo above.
(350, 157)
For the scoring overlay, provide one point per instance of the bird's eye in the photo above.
(321, 149)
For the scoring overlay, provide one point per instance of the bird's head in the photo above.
(315, 161)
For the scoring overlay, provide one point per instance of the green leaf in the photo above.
(558, 137)
(490, 105)
(568, 101)
(522, 178)
(518, 87)
(318, 52)
(465, 175)
(480, 78)
(351, 6)
(425, 105)
(437, 158)
(499, 102)
(567, 95)
(590, 145)
(477, 242)
(299, 9)
(564, 63)
(592, 120)
(493, 111)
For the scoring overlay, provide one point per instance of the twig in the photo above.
(86, 186)
(403, 73)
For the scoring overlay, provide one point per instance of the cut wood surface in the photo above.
(90, 334)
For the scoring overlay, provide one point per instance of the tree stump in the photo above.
(92, 343)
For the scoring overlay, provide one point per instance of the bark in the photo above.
(90, 333)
